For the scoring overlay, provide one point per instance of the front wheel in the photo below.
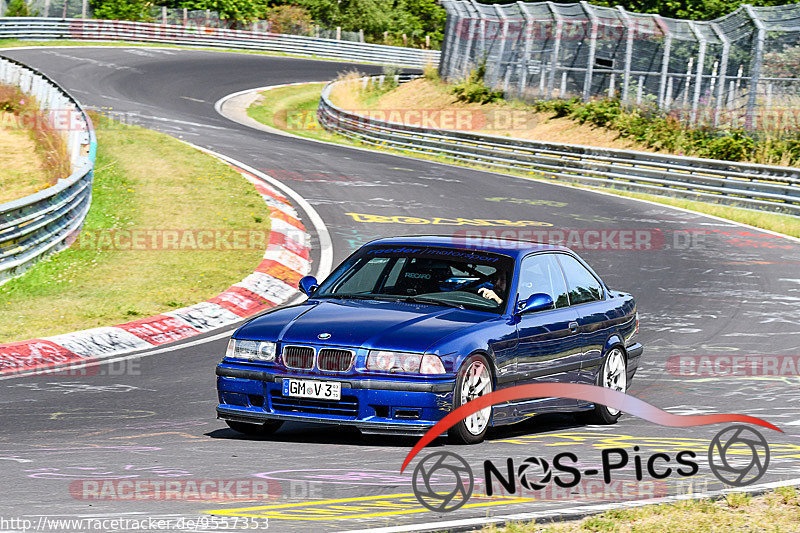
(474, 380)
(614, 376)
(255, 430)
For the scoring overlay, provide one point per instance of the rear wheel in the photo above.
(256, 430)
(474, 380)
(613, 375)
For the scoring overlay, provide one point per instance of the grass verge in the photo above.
(147, 181)
(778, 510)
(300, 103)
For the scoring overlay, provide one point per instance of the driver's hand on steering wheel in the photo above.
(489, 294)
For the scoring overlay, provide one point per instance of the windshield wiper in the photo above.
(434, 301)
(366, 296)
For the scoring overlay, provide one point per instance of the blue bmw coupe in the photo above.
(409, 328)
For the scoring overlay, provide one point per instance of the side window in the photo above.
(583, 286)
(541, 273)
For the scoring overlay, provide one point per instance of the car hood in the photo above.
(362, 323)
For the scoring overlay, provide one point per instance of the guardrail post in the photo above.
(497, 66)
(556, 51)
(723, 70)
(755, 68)
(701, 57)
(587, 80)
(524, 61)
(626, 20)
(662, 83)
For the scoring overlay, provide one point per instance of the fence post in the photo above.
(47, 8)
(2, 7)
(662, 84)
(482, 30)
(497, 66)
(701, 57)
(556, 52)
(471, 39)
(449, 52)
(587, 80)
(338, 33)
(723, 70)
(626, 20)
(755, 68)
(526, 52)
(84, 8)
(163, 14)
(360, 35)
(185, 17)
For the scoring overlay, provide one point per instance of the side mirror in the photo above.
(536, 302)
(308, 285)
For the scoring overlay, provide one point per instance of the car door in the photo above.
(549, 346)
(587, 297)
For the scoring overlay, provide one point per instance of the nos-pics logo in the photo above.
(738, 456)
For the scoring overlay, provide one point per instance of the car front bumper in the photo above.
(373, 405)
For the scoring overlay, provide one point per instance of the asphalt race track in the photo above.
(709, 288)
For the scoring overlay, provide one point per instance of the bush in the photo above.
(290, 19)
(474, 89)
(734, 146)
(18, 8)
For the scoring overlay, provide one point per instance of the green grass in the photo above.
(776, 511)
(305, 99)
(143, 180)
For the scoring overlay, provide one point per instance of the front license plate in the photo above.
(306, 388)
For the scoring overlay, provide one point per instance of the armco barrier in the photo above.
(44, 222)
(34, 28)
(274, 282)
(744, 184)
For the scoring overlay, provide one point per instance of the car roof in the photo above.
(487, 242)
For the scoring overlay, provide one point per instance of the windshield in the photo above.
(468, 279)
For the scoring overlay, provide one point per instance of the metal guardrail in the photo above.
(47, 221)
(31, 28)
(749, 185)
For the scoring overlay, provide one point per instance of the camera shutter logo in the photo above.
(738, 455)
(526, 469)
(450, 497)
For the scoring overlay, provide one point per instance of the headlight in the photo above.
(413, 363)
(251, 350)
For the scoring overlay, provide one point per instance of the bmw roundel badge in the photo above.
(324, 336)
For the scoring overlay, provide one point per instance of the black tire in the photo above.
(601, 414)
(255, 430)
(468, 431)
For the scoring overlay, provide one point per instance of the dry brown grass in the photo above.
(777, 511)
(507, 119)
(22, 169)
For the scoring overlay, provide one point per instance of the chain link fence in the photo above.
(738, 71)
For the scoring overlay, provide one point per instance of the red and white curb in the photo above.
(273, 283)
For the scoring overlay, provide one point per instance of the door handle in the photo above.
(573, 327)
